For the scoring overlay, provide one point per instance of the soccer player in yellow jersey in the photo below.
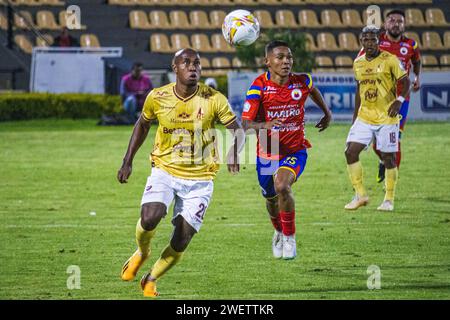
(184, 162)
(376, 115)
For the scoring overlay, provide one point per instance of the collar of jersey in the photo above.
(187, 98)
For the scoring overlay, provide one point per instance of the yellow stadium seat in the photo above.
(343, 63)
(447, 39)
(138, 20)
(23, 43)
(46, 20)
(179, 41)
(221, 2)
(52, 2)
(348, 42)
(264, 18)
(219, 44)
(431, 41)
(245, 2)
(429, 62)
(206, 65)
(351, 18)
(414, 36)
(414, 17)
(159, 20)
(221, 62)
(270, 2)
(42, 43)
(199, 19)
(21, 20)
(285, 19)
(330, 18)
(236, 63)
(308, 19)
(445, 62)
(200, 42)
(310, 43)
(216, 18)
(326, 42)
(179, 20)
(3, 21)
(89, 41)
(324, 64)
(435, 17)
(160, 43)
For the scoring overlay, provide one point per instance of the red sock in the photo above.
(288, 222)
(398, 156)
(276, 223)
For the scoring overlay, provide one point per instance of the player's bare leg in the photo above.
(274, 213)
(355, 172)
(391, 181)
(151, 215)
(171, 255)
(286, 204)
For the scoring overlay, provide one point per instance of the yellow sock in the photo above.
(168, 259)
(391, 181)
(143, 238)
(355, 172)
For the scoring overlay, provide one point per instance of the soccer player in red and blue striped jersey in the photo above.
(274, 108)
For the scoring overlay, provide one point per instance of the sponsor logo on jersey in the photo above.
(184, 115)
(404, 51)
(371, 95)
(270, 90)
(161, 93)
(283, 113)
(200, 114)
(246, 106)
(296, 94)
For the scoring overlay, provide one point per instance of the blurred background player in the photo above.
(274, 107)
(177, 171)
(134, 87)
(64, 39)
(211, 82)
(407, 51)
(376, 115)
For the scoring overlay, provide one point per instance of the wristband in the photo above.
(401, 99)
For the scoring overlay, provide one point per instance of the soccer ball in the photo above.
(240, 28)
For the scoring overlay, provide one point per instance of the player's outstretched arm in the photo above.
(405, 83)
(317, 97)
(140, 131)
(239, 142)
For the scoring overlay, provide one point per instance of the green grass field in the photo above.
(54, 173)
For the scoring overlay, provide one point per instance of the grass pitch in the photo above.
(55, 173)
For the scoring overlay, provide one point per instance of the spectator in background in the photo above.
(65, 39)
(134, 88)
(211, 82)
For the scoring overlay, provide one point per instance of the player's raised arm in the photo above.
(317, 97)
(140, 131)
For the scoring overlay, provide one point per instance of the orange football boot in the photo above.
(132, 265)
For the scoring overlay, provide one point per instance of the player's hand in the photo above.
(274, 123)
(124, 173)
(324, 122)
(416, 84)
(394, 108)
(233, 163)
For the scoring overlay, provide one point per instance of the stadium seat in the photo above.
(160, 43)
(138, 20)
(415, 37)
(3, 21)
(221, 2)
(236, 63)
(52, 2)
(206, 65)
(351, 18)
(200, 42)
(269, 2)
(292, 2)
(264, 18)
(308, 19)
(348, 42)
(23, 43)
(431, 41)
(219, 44)
(326, 42)
(343, 63)
(435, 17)
(199, 19)
(62, 20)
(19, 21)
(324, 64)
(430, 62)
(179, 20)
(285, 19)
(216, 18)
(414, 17)
(89, 41)
(42, 43)
(445, 62)
(310, 43)
(330, 18)
(447, 39)
(46, 20)
(179, 41)
(221, 62)
(245, 2)
(159, 20)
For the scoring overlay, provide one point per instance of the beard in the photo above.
(395, 34)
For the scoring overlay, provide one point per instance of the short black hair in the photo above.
(137, 65)
(371, 29)
(275, 44)
(396, 11)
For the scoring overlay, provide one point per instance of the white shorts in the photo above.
(386, 135)
(192, 197)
